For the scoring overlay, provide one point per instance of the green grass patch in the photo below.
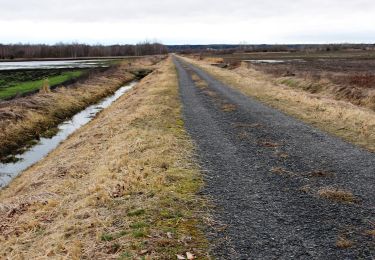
(139, 233)
(106, 237)
(14, 88)
(139, 225)
(126, 255)
(137, 212)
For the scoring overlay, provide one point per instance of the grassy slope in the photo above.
(28, 86)
(122, 186)
(24, 119)
(352, 123)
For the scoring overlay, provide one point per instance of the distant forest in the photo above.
(75, 50)
(231, 48)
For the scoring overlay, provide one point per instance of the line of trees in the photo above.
(230, 48)
(77, 50)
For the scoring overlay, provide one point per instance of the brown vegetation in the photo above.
(336, 194)
(198, 81)
(340, 118)
(227, 107)
(344, 79)
(343, 242)
(123, 186)
(27, 118)
(370, 232)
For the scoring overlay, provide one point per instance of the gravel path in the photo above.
(264, 171)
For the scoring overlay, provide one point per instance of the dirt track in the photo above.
(264, 171)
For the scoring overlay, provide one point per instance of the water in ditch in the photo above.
(8, 171)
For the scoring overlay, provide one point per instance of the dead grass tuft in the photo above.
(211, 93)
(45, 87)
(370, 232)
(199, 82)
(282, 155)
(281, 171)
(343, 243)
(270, 144)
(305, 189)
(227, 107)
(320, 174)
(278, 170)
(336, 194)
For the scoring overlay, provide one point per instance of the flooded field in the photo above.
(25, 77)
(54, 64)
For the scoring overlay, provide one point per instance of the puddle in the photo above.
(8, 171)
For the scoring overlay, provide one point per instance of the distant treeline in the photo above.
(75, 50)
(231, 48)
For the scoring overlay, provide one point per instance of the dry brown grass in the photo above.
(198, 81)
(227, 107)
(282, 155)
(353, 88)
(340, 118)
(305, 189)
(343, 243)
(27, 118)
(45, 87)
(320, 174)
(278, 170)
(122, 186)
(336, 194)
(213, 59)
(370, 232)
(266, 143)
(351, 80)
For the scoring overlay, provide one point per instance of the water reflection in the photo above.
(10, 170)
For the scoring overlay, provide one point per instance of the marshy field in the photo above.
(346, 75)
(188, 130)
(190, 156)
(26, 77)
(333, 89)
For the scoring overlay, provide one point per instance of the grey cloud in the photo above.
(188, 20)
(117, 10)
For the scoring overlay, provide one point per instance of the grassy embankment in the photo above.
(121, 187)
(25, 119)
(12, 88)
(343, 76)
(343, 119)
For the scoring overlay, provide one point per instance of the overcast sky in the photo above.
(190, 21)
